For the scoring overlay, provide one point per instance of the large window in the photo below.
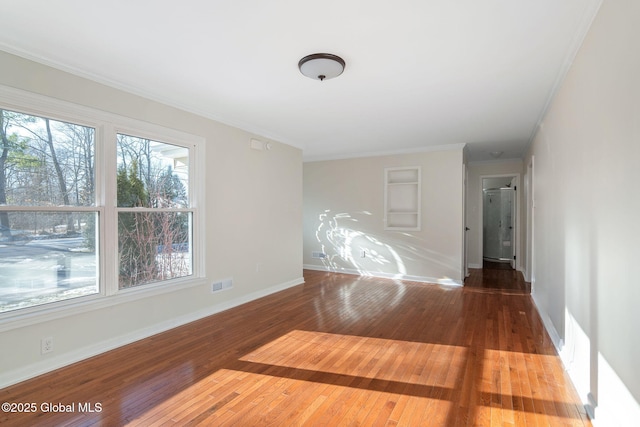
(89, 211)
(154, 215)
(48, 217)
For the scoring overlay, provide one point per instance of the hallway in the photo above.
(497, 276)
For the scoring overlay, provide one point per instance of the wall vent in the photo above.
(318, 255)
(221, 285)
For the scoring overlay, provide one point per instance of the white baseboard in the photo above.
(50, 364)
(475, 266)
(558, 343)
(615, 406)
(382, 275)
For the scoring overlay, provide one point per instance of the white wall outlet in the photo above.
(318, 255)
(46, 345)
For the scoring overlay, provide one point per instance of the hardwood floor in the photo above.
(497, 275)
(338, 350)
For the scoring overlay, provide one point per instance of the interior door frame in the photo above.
(530, 261)
(516, 218)
(465, 228)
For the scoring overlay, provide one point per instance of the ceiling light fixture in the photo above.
(496, 154)
(321, 66)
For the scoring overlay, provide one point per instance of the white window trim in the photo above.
(107, 125)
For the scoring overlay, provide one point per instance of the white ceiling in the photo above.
(419, 74)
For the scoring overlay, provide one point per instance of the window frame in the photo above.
(168, 139)
(107, 125)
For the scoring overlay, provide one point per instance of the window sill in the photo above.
(58, 310)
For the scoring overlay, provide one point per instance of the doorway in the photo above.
(499, 221)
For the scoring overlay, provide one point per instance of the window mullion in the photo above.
(108, 197)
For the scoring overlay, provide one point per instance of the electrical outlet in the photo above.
(46, 345)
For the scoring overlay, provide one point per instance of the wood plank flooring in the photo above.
(339, 350)
(497, 275)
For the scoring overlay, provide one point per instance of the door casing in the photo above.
(516, 264)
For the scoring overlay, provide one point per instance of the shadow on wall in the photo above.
(347, 246)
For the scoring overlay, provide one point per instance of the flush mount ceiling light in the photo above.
(321, 66)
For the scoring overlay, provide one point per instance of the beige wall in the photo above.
(253, 228)
(475, 170)
(586, 226)
(343, 215)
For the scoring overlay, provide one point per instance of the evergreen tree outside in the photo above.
(47, 169)
(154, 245)
(137, 263)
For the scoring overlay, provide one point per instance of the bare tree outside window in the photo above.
(47, 211)
(58, 206)
(154, 216)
